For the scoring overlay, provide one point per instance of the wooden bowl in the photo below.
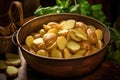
(61, 67)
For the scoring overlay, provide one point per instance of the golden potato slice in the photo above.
(92, 50)
(66, 53)
(54, 25)
(49, 38)
(92, 36)
(81, 25)
(99, 44)
(79, 53)
(13, 61)
(42, 53)
(56, 53)
(53, 30)
(63, 32)
(42, 32)
(74, 37)
(99, 34)
(29, 41)
(91, 27)
(11, 71)
(85, 45)
(80, 33)
(69, 24)
(61, 42)
(73, 46)
(46, 27)
(52, 46)
(38, 41)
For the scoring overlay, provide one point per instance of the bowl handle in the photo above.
(16, 13)
(14, 40)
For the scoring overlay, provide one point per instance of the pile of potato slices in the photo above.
(65, 39)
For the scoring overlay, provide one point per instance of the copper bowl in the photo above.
(61, 67)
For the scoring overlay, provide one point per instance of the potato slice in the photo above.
(61, 42)
(74, 37)
(69, 24)
(13, 61)
(66, 53)
(52, 46)
(73, 46)
(56, 53)
(81, 25)
(99, 34)
(99, 44)
(29, 41)
(92, 36)
(63, 32)
(11, 71)
(53, 30)
(85, 45)
(79, 53)
(54, 25)
(46, 27)
(91, 27)
(39, 43)
(42, 32)
(80, 33)
(49, 38)
(42, 53)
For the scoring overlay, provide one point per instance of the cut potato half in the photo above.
(73, 46)
(56, 53)
(61, 42)
(69, 24)
(29, 41)
(66, 53)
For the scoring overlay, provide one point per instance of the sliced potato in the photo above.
(69, 24)
(49, 38)
(29, 41)
(99, 34)
(92, 36)
(80, 33)
(63, 32)
(91, 27)
(56, 53)
(39, 43)
(52, 46)
(32, 51)
(73, 46)
(99, 44)
(42, 53)
(79, 53)
(53, 30)
(66, 53)
(81, 25)
(85, 45)
(74, 37)
(11, 71)
(61, 42)
(54, 25)
(42, 32)
(13, 61)
(46, 27)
